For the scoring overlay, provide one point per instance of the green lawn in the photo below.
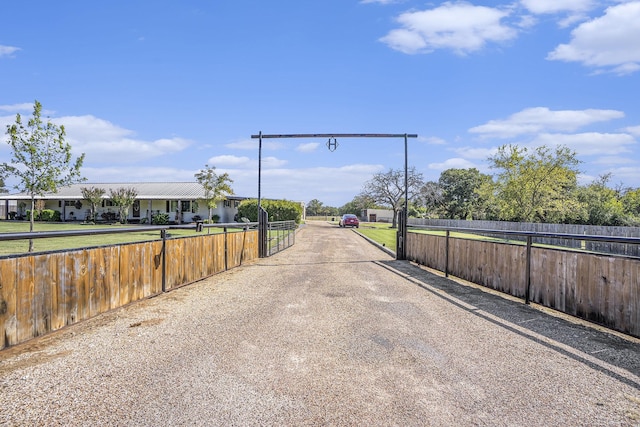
(11, 247)
(379, 232)
(382, 233)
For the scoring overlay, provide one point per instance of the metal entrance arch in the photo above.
(332, 144)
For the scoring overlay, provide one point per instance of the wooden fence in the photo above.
(44, 292)
(537, 227)
(599, 288)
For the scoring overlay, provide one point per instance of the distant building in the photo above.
(180, 200)
(377, 215)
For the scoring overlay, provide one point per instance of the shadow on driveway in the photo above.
(610, 353)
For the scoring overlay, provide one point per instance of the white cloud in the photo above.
(17, 108)
(633, 130)
(272, 162)
(327, 184)
(252, 144)
(590, 143)
(457, 163)
(307, 147)
(629, 175)
(459, 26)
(8, 51)
(613, 160)
(557, 6)
(475, 153)
(541, 119)
(231, 161)
(104, 142)
(432, 140)
(607, 43)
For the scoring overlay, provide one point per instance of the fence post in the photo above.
(226, 265)
(163, 234)
(263, 223)
(446, 254)
(528, 271)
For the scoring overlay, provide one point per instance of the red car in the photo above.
(349, 220)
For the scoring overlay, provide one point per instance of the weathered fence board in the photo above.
(8, 302)
(44, 292)
(25, 293)
(599, 288)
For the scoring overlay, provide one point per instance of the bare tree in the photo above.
(387, 188)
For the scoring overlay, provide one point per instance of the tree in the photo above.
(631, 203)
(314, 207)
(40, 158)
(94, 196)
(356, 206)
(216, 187)
(3, 189)
(537, 186)
(430, 198)
(123, 198)
(387, 188)
(601, 204)
(460, 197)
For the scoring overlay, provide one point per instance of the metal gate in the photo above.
(274, 236)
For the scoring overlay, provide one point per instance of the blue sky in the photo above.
(153, 91)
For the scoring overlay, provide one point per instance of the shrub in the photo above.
(36, 215)
(278, 210)
(160, 219)
(49, 215)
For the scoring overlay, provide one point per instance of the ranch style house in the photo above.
(182, 201)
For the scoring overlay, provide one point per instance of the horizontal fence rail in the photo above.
(603, 246)
(600, 288)
(43, 292)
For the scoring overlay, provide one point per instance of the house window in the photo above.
(185, 206)
(236, 203)
(227, 203)
(70, 203)
(107, 202)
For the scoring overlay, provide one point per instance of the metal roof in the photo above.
(145, 190)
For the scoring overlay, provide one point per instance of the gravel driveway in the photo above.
(332, 331)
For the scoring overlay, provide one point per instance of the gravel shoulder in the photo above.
(332, 331)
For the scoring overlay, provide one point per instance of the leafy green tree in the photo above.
(356, 206)
(329, 210)
(314, 207)
(537, 185)
(94, 196)
(3, 189)
(601, 204)
(631, 204)
(460, 197)
(123, 198)
(40, 158)
(387, 188)
(216, 187)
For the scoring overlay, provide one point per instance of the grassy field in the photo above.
(379, 232)
(382, 233)
(12, 247)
